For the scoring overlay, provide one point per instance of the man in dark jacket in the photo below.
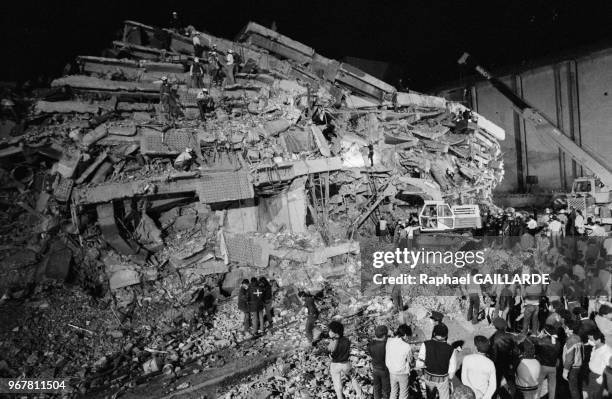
(548, 349)
(243, 304)
(339, 351)
(267, 300)
(503, 352)
(312, 313)
(256, 305)
(380, 373)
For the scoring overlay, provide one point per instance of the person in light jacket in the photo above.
(398, 354)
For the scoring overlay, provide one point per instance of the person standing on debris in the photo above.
(478, 371)
(473, 293)
(256, 306)
(196, 71)
(205, 103)
(165, 91)
(229, 67)
(312, 314)
(396, 290)
(213, 65)
(398, 354)
(380, 374)
(382, 227)
(198, 49)
(175, 22)
(267, 300)
(243, 305)
(531, 298)
(438, 361)
(340, 349)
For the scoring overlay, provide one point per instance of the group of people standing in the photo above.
(255, 302)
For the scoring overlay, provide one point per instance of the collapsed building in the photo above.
(285, 178)
(301, 151)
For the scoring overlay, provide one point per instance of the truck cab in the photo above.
(439, 216)
(593, 187)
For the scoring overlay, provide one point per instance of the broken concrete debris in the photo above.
(105, 187)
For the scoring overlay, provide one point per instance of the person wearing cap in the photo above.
(205, 102)
(229, 67)
(380, 373)
(502, 351)
(243, 305)
(478, 371)
(438, 361)
(213, 64)
(437, 317)
(196, 71)
(398, 354)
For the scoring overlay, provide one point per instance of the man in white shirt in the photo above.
(478, 371)
(382, 227)
(398, 354)
(600, 359)
(579, 222)
(607, 245)
(556, 228)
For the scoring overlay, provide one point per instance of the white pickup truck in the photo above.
(439, 216)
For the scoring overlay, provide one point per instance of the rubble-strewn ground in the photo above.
(123, 220)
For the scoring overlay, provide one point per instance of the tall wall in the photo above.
(575, 93)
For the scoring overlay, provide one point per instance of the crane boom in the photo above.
(543, 126)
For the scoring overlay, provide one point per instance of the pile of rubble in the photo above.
(103, 187)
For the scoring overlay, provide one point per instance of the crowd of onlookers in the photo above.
(553, 339)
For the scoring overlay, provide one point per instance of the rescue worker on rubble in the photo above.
(196, 71)
(256, 306)
(175, 22)
(198, 49)
(312, 314)
(229, 67)
(243, 305)
(206, 103)
(213, 65)
(165, 91)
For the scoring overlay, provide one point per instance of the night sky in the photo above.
(424, 37)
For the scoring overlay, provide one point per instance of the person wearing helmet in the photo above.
(198, 49)
(196, 71)
(214, 66)
(165, 91)
(175, 22)
(205, 102)
(229, 67)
